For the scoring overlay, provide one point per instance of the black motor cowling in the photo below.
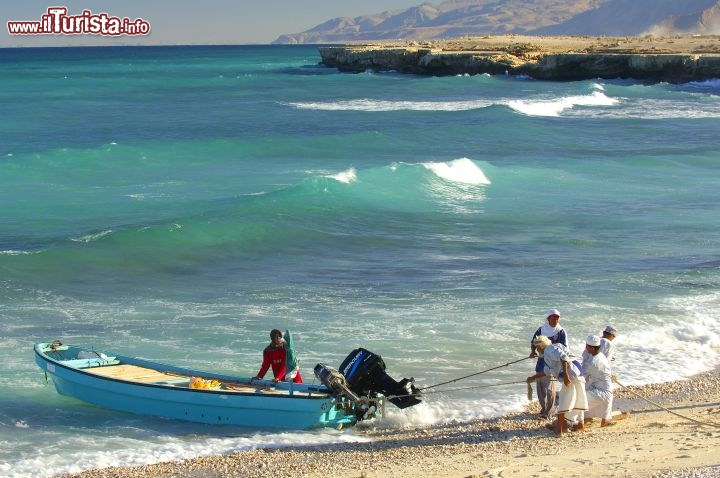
(365, 375)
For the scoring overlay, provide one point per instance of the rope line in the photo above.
(456, 389)
(474, 387)
(709, 424)
(473, 374)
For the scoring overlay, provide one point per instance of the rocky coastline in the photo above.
(678, 59)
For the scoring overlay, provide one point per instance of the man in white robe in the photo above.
(607, 347)
(598, 382)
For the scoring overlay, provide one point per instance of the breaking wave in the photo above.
(461, 170)
(557, 106)
(366, 104)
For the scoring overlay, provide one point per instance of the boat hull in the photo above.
(236, 402)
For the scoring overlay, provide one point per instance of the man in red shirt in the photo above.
(275, 355)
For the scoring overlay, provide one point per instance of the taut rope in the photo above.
(457, 389)
(473, 374)
(708, 424)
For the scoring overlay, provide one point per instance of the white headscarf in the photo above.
(547, 330)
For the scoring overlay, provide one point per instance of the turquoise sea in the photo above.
(177, 203)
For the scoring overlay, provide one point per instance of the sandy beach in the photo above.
(666, 430)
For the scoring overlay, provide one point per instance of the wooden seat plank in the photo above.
(132, 373)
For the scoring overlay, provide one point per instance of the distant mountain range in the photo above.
(456, 18)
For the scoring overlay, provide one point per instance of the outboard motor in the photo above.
(334, 380)
(365, 374)
(365, 407)
(362, 378)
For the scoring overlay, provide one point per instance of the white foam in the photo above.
(348, 176)
(666, 108)
(92, 237)
(446, 407)
(598, 101)
(713, 83)
(461, 170)
(143, 196)
(687, 344)
(366, 104)
(551, 107)
(127, 452)
(555, 107)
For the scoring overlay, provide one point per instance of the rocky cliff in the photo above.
(673, 60)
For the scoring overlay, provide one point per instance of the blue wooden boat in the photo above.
(146, 387)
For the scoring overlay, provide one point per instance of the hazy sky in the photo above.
(189, 22)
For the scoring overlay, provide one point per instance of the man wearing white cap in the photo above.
(598, 382)
(544, 385)
(606, 345)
